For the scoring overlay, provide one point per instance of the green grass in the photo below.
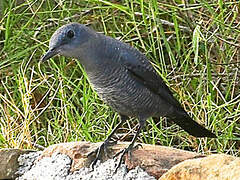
(195, 48)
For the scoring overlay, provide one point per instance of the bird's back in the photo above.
(119, 87)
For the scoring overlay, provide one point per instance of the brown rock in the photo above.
(214, 167)
(77, 151)
(9, 162)
(156, 160)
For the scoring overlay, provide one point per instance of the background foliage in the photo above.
(194, 46)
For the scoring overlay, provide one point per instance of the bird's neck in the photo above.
(98, 54)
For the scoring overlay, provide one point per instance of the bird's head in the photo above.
(68, 41)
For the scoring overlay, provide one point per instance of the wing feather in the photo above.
(141, 69)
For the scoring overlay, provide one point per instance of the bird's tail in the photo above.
(192, 127)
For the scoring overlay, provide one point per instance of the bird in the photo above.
(124, 79)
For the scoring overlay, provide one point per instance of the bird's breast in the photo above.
(120, 91)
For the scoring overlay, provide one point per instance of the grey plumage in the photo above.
(122, 76)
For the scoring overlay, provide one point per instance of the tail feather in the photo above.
(191, 126)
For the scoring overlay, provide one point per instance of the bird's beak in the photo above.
(50, 53)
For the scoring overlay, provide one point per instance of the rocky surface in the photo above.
(156, 160)
(58, 167)
(71, 161)
(214, 167)
(9, 162)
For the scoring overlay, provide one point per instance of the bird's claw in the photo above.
(138, 146)
(99, 152)
(123, 152)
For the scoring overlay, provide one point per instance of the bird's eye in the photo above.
(70, 34)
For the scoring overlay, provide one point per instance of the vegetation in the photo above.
(194, 46)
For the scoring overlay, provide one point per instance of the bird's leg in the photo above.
(130, 146)
(103, 146)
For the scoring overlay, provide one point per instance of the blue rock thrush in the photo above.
(124, 79)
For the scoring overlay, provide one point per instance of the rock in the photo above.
(9, 162)
(26, 162)
(214, 167)
(77, 151)
(156, 160)
(70, 160)
(55, 167)
(58, 167)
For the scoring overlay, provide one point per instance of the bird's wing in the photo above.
(141, 69)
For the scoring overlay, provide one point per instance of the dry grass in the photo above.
(195, 48)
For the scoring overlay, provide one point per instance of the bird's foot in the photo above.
(102, 149)
(124, 151)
